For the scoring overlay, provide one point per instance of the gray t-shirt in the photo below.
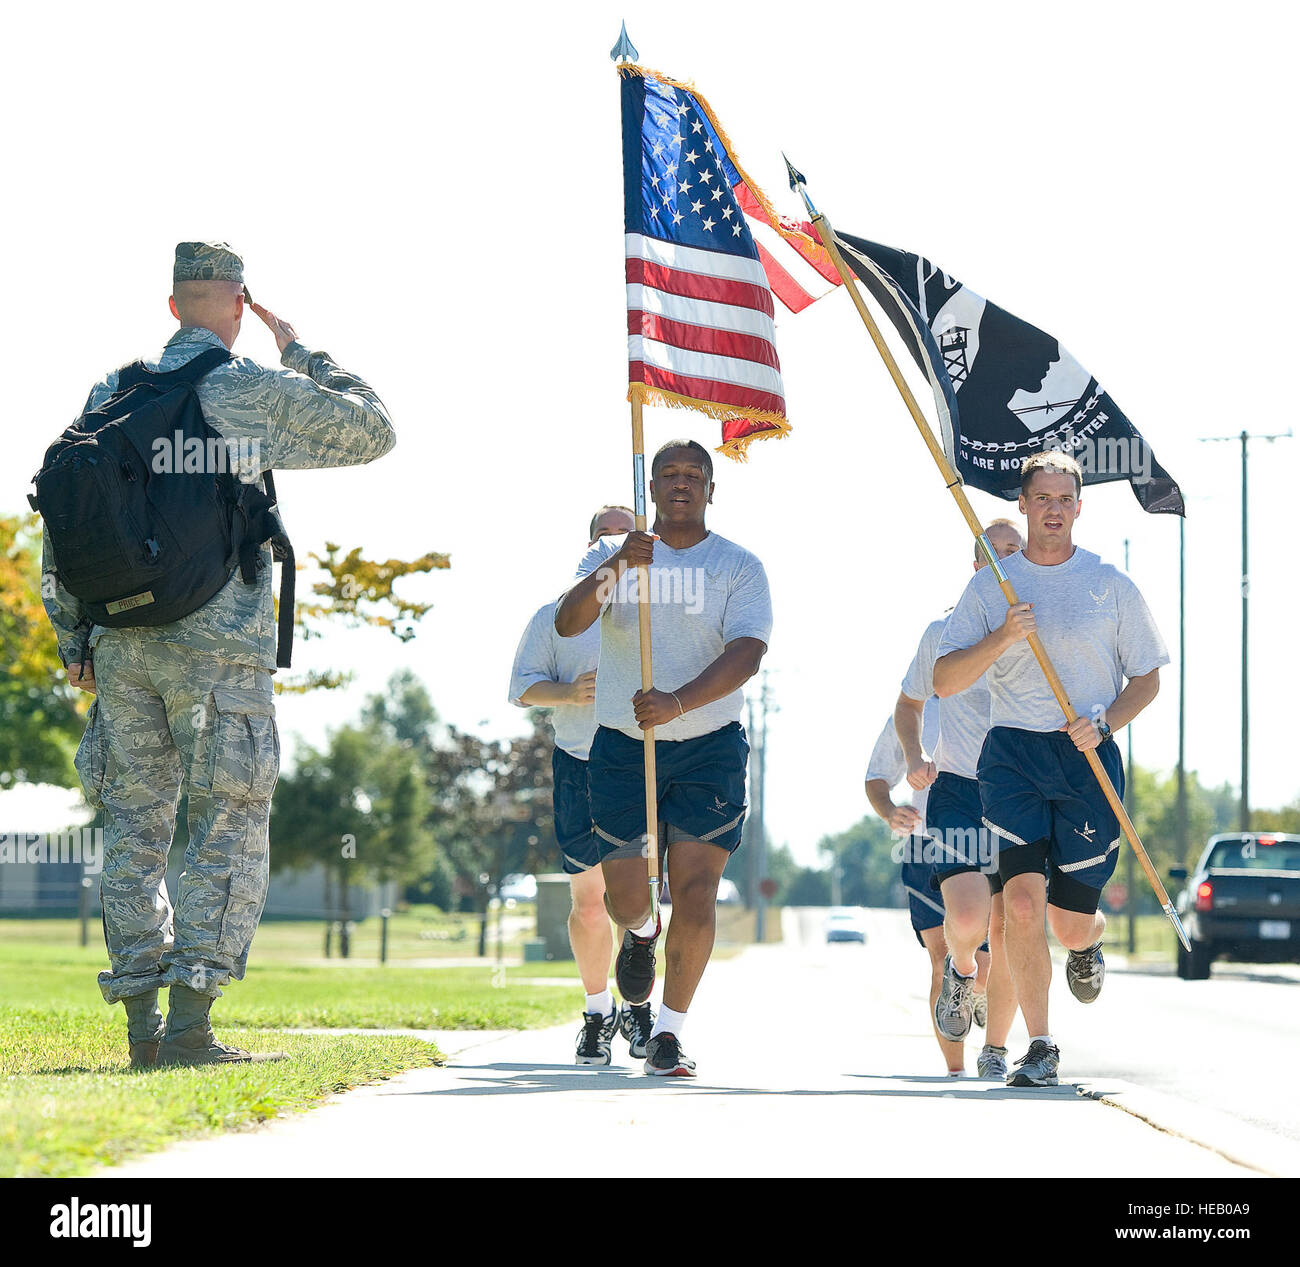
(1094, 625)
(544, 656)
(887, 760)
(701, 599)
(964, 721)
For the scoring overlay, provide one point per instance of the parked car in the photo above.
(845, 924)
(1241, 902)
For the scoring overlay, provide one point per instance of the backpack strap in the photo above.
(134, 374)
(282, 550)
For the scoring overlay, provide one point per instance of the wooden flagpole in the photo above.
(647, 669)
(625, 51)
(954, 486)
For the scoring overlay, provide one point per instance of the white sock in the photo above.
(602, 1003)
(1041, 1038)
(647, 929)
(669, 1022)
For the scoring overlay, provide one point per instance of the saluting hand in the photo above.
(284, 333)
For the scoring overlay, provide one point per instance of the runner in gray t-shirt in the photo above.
(965, 873)
(710, 621)
(886, 770)
(560, 674)
(1036, 789)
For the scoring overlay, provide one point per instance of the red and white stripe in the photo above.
(798, 281)
(699, 325)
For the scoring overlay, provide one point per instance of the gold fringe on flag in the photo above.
(738, 449)
(775, 424)
(808, 244)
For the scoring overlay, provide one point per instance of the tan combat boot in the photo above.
(189, 1039)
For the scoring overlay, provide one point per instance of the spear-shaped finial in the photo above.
(624, 50)
(797, 184)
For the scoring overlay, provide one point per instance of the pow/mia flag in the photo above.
(1004, 389)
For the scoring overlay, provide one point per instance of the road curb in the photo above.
(1236, 1141)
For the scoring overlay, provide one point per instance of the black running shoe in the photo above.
(664, 1056)
(635, 1021)
(1037, 1067)
(596, 1037)
(634, 969)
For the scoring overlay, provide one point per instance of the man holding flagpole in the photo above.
(1036, 790)
(712, 618)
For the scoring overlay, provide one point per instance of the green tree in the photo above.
(488, 801)
(41, 715)
(357, 592)
(864, 855)
(358, 807)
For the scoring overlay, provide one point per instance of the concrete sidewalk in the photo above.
(798, 1076)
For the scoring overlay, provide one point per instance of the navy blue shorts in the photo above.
(954, 819)
(924, 903)
(1039, 794)
(572, 801)
(701, 789)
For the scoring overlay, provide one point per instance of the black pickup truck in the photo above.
(1242, 902)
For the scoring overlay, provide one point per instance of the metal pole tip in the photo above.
(624, 50)
(796, 176)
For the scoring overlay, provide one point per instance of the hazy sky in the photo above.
(436, 201)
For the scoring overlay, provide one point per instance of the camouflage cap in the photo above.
(206, 262)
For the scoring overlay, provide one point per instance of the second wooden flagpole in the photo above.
(647, 667)
(954, 486)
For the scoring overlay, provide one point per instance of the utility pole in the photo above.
(750, 871)
(1130, 802)
(1245, 438)
(760, 823)
(1181, 815)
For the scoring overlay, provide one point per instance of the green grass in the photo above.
(56, 976)
(69, 1102)
(422, 933)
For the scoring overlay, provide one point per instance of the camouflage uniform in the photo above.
(191, 701)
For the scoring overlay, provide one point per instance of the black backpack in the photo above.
(140, 539)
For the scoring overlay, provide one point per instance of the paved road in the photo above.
(813, 1060)
(1229, 1043)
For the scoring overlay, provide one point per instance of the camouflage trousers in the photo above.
(166, 716)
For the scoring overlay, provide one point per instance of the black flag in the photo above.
(1004, 389)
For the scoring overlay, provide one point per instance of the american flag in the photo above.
(699, 284)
